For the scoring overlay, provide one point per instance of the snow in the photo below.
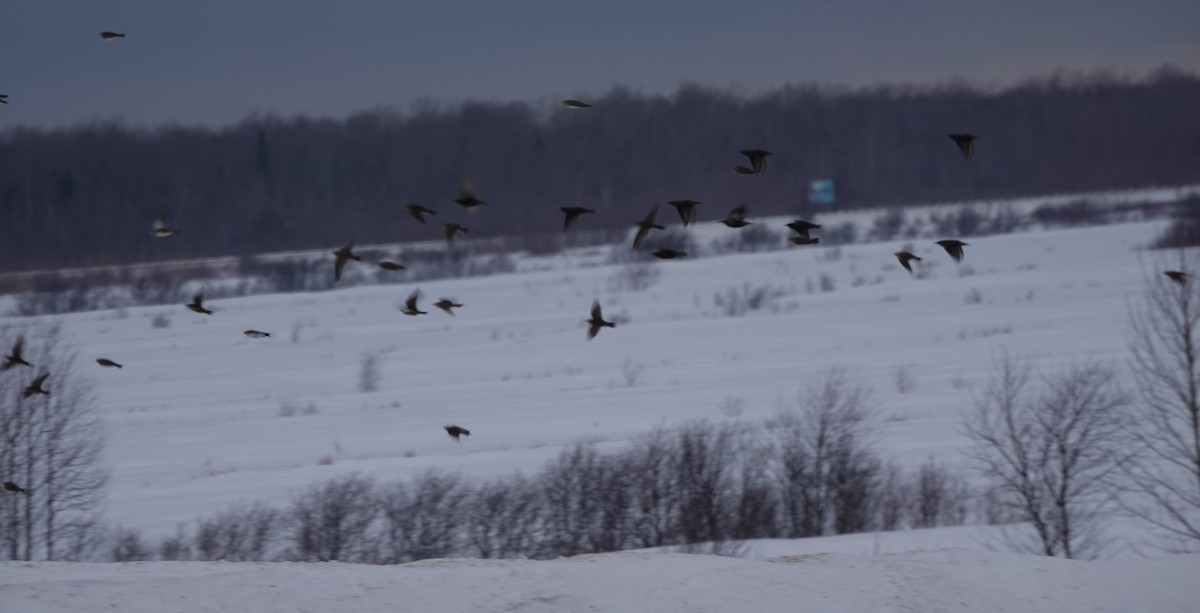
(924, 582)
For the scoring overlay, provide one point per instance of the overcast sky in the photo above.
(215, 61)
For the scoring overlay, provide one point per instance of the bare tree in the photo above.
(1160, 479)
(503, 518)
(51, 445)
(424, 518)
(334, 521)
(1048, 455)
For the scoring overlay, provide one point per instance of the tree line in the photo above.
(86, 194)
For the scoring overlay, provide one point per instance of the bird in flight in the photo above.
(256, 334)
(802, 227)
(687, 210)
(3, 98)
(645, 225)
(457, 431)
(573, 215)
(197, 304)
(736, 217)
(14, 357)
(410, 305)
(452, 230)
(107, 363)
(392, 266)
(162, 226)
(1177, 276)
(447, 305)
(906, 257)
(954, 248)
(668, 254)
(758, 162)
(466, 196)
(576, 104)
(803, 239)
(419, 212)
(106, 35)
(597, 321)
(36, 387)
(13, 487)
(340, 258)
(965, 142)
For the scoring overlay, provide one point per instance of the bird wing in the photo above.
(572, 215)
(18, 347)
(37, 383)
(596, 315)
(738, 213)
(466, 188)
(640, 236)
(198, 298)
(162, 223)
(339, 263)
(592, 330)
(411, 302)
(651, 216)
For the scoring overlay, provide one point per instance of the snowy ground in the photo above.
(196, 418)
(923, 582)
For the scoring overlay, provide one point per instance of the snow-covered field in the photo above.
(195, 419)
(630, 582)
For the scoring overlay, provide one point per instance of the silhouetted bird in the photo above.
(597, 321)
(576, 104)
(758, 162)
(3, 98)
(645, 225)
(452, 230)
(573, 214)
(965, 142)
(106, 35)
(36, 387)
(162, 226)
(803, 240)
(256, 334)
(340, 257)
(954, 248)
(14, 357)
(446, 305)
(410, 305)
(457, 431)
(197, 304)
(906, 257)
(802, 227)
(107, 363)
(737, 217)
(687, 210)
(1177, 276)
(466, 196)
(668, 254)
(13, 487)
(392, 266)
(419, 212)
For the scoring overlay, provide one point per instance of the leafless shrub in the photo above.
(128, 546)
(632, 371)
(333, 521)
(826, 282)
(735, 301)
(423, 518)
(160, 321)
(732, 406)
(635, 277)
(974, 296)
(176, 547)
(370, 371)
(503, 518)
(904, 378)
(244, 533)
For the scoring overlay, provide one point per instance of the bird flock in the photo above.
(162, 227)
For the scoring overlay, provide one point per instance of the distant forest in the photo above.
(87, 194)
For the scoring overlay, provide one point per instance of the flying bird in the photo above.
(447, 305)
(687, 210)
(597, 321)
(736, 217)
(256, 334)
(36, 386)
(197, 304)
(803, 240)
(106, 35)
(645, 225)
(410, 305)
(758, 162)
(802, 227)
(3, 98)
(457, 431)
(392, 266)
(576, 104)
(14, 357)
(419, 212)
(669, 254)
(340, 256)
(452, 230)
(965, 142)
(573, 215)
(954, 248)
(906, 257)
(466, 196)
(162, 226)
(13, 487)
(1177, 276)
(107, 363)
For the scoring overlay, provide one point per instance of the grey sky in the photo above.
(215, 61)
